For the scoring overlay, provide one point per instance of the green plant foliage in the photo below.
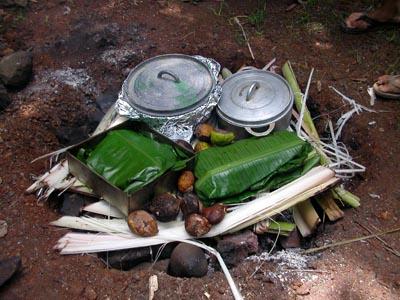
(258, 16)
(130, 160)
(233, 173)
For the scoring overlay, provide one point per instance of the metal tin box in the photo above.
(101, 187)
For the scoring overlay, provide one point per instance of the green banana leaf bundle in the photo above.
(236, 172)
(130, 160)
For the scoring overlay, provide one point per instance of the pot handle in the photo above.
(174, 76)
(251, 90)
(259, 134)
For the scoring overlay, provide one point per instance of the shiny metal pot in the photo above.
(255, 102)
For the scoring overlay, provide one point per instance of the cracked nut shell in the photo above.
(165, 207)
(190, 204)
(197, 225)
(186, 181)
(214, 214)
(142, 223)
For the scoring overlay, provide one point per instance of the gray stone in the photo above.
(72, 135)
(106, 100)
(16, 69)
(234, 248)
(187, 261)
(5, 100)
(73, 203)
(291, 241)
(8, 267)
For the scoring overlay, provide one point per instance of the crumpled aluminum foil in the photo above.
(179, 127)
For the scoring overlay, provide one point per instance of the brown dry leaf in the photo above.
(3, 228)
(319, 86)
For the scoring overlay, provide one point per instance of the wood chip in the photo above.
(153, 286)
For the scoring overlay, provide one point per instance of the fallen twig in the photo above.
(305, 270)
(386, 245)
(372, 96)
(349, 241)
(269, 65)
(244, 36)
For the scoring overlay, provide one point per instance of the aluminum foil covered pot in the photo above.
(255, 102)
(172, 93)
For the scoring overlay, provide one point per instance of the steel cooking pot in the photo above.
(169, 85)
(172, 93)
(255, 102)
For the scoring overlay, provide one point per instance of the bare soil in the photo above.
(83, 50)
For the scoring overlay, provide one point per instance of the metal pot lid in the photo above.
(254, 98)
(169, 85)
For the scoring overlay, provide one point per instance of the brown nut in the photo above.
(190, 204)
(203, 132)
(214, 214)
(197, 225)
(185, 182)
(165, 207)
(142, 223)
(200, 146)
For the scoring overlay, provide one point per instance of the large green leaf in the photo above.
(130, 160)
(235, 172)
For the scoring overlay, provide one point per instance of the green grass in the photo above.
(218, 11)
(258, 16)
(391, 35)
(393, 68)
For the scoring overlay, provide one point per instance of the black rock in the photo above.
(127, 259)
(267, 241)
(187, 261)
(106, 37)
(291, 241)
(4, 98)
(16, 69)
(94, 117)
(73, 203)
(105, 100)
(10, 3)
(8, 267)
(234, 248)
(72, 135)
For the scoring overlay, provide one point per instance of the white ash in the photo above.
(76, 78)
(50, 81)
(289, 264)
(118, 57)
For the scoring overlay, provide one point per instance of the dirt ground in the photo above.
(82, 52)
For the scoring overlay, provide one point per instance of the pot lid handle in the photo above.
(251, 91)
(165, 72)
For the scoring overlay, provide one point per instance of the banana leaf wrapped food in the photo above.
(236, 172)
(130, 160)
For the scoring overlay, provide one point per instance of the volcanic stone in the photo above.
(127, 259)
(4, 98)
(8, 267)
(187, 261)
(234, 248)
(73, 203)
(16, 69)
